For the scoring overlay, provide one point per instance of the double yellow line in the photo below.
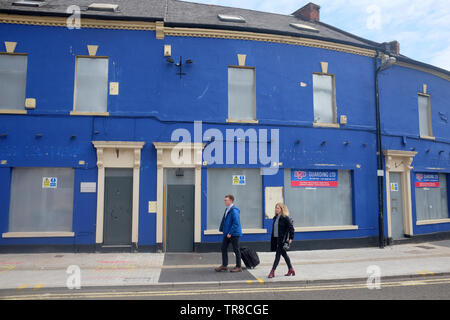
(218, 291)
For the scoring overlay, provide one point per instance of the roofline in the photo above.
(423, 65)
(369, 42)
(82, 15)
(370, 46)
(266, 31)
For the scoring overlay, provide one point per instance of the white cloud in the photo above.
(441, 58)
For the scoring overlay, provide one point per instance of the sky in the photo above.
(421, 26)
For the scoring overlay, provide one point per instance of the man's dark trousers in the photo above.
(235, 242)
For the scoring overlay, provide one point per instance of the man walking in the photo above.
(231, 228)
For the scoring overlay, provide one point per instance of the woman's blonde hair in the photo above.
(284, 209)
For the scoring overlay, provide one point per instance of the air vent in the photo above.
(28, 3)
(230, 18)
(303, 27)
(108, 7)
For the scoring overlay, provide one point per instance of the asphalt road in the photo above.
(417, 288)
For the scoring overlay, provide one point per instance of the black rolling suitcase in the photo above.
(250, 257)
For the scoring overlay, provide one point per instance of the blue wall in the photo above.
(153, 101)
(399, 87)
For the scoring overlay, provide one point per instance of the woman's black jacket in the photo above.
(285, 232)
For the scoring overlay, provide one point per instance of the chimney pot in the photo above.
(310, 12)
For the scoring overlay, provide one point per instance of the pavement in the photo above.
(53, 270)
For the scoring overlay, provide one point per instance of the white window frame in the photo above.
(430, 121)
(230, 119)
(87, 113)
(333, 124)
(13, 110)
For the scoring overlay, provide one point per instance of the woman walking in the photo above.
(282, 233)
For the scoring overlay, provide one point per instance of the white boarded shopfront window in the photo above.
(431, 196)
(246, 187)
(319, 198)
(41, 200)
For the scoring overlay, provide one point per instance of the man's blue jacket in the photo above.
(232, 223)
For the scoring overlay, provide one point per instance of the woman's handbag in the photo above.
(286, 244)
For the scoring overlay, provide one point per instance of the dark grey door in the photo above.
(118, 206)
(180, 218)
(397, 229)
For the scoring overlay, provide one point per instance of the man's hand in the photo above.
(228, 236)
(290, 241)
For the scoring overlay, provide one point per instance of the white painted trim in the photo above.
(244, 231)
(37, 234)
(12, 111)
(326, 125)
(428, 137)
(132, 159)
(432, 221)
(164, 160)
(83, 113)
(400, 161)
(242, 121)
(326, 228)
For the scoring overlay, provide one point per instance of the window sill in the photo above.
(433, 221)
(244, 231)
(37, 234)
(330, 228)
(326, 125)
(80, 113)
(428, 138)
(242, 121)
(12, 111)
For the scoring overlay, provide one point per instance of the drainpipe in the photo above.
(380, 171)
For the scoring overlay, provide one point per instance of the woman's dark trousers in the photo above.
(281, 252)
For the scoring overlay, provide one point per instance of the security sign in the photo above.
(314, 178)
(427, 180)
(49, 182)
(394, 187)
(239, 180)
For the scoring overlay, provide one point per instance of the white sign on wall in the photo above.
(49, 182)
(88, 187)
(273, 196)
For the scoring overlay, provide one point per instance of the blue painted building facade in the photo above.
(153, 101)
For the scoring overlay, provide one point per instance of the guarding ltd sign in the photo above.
(427, 180)
(314, 178)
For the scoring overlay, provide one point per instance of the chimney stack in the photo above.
(392, 47)
(310, 12)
